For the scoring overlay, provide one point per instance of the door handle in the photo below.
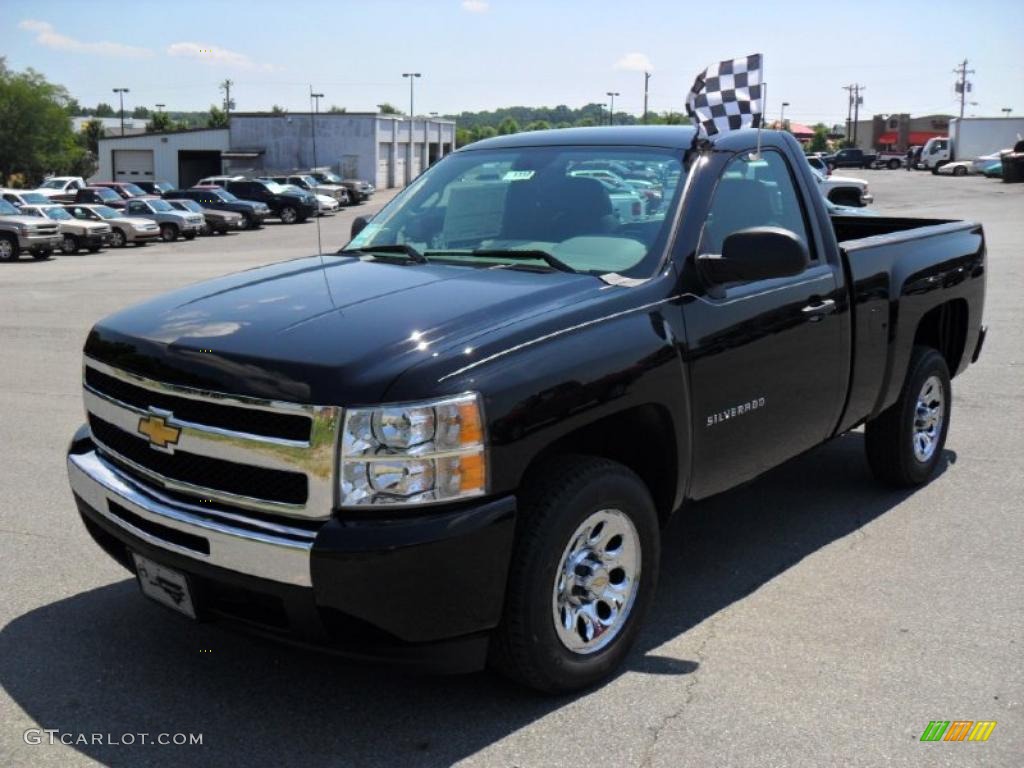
(814, 312)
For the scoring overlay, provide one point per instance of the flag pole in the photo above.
(764, 111)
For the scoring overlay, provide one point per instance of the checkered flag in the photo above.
(727, 96)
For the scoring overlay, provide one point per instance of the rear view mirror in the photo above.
(359, 224)
(757, 253)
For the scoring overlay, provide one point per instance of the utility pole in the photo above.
(611, 109)
(782, 116)
(412, 78)
(849, 108)
(1006, 110)
(962, 86)
(647, 79)
(857, 101)
(120, 93)
(228, 104)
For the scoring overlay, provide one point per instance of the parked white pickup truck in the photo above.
(843, 190)
(61, 185)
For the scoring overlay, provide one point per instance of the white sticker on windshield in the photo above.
(517, 175)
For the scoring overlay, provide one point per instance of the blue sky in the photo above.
(482, 54)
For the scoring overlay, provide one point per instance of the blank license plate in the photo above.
(164, 585)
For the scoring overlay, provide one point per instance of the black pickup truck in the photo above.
(456, 440)
(851, 158)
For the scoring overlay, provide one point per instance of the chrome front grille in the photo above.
(225, 451)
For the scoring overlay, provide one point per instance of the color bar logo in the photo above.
(958, 730)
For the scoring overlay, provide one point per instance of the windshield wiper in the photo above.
(510, 253)
(408, 250)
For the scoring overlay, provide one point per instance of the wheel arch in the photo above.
(944, 328)
(641, 438)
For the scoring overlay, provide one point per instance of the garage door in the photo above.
(383, 165)
(133, 165)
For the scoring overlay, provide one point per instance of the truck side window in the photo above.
(753, 193)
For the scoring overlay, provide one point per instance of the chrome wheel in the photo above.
(288, 215)
(596, 582)
(928, 416)
(7, 250)
(118, 239)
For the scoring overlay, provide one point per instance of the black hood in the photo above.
(334, 334)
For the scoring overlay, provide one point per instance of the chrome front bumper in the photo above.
(280, 553)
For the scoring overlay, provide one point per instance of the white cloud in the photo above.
(635, 62)
(215, 55)
(475, 6)
(47, 36)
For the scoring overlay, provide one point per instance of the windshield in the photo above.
(274, 187)
(160, 205)
(104, 193)
(53, 184)
(58, 214)
(163, 186)
(532, 199)
(223, 194)
(188, 205)
(133, 190)
(307, 180)
(34, 198)
(107, 213)
(329, 178)
(7, 209)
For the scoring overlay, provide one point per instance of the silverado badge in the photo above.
(160, 434)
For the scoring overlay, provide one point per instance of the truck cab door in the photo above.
(767, 358)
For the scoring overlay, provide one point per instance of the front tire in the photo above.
(583, 573)
(69, 245)
(904, 443)
(289, 215)
(9, 248)
(168, 233)
(42, 254)
(118, 238)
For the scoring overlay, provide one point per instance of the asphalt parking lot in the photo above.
(809, 618)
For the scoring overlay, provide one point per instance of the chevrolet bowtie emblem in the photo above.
(158, 432)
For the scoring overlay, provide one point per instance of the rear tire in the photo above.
(583, 572)
(94, 248)
(43, 254)
(904, 443)
(959, 171)
(189, 235)
(894, 164)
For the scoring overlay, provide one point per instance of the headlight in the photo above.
(421, 453)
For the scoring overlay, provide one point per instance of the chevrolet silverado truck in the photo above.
(456, 441)
(851, 157)
(19, 232)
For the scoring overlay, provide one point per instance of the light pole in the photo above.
(412, 79)
(1006, 110)
(315, 98)
(120, 94)
(782, 116)
(647, 80)
(611, 109)
(160, 107)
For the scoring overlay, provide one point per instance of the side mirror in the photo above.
(359, 224)
(757, 253)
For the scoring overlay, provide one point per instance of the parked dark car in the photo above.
(219, 199)
(851, 158)
(155, 187)
(93, 195)
(216, 222)
(459, 439)
(290, 208)
(125, 189)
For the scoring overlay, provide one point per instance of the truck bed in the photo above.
(899, 269)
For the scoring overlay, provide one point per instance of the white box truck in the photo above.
(971, 137)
